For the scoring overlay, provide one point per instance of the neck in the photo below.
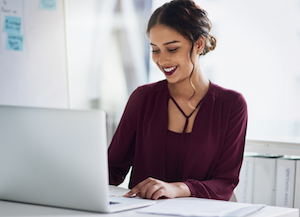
(184, 89)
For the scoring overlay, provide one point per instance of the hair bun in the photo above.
(187, 18)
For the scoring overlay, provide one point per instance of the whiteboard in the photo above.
(34, 72)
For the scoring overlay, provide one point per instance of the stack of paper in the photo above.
(201, 207)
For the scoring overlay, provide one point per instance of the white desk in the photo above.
(21, 210)
(12, 209)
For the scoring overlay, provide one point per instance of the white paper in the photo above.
(201, 207)
(117, 191)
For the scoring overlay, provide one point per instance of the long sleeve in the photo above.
(223, 177)
(139, 138)
(121, 149)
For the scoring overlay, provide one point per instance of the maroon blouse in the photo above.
(210, 156)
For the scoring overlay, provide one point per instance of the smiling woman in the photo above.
(182, 136)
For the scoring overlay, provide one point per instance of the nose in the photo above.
(163, 59)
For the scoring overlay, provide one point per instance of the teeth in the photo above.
(169, 69)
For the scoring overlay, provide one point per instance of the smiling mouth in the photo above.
(170, 70)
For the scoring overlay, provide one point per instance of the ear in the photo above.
(199, 45)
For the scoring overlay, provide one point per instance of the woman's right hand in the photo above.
(154, 189)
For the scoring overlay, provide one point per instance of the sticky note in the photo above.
(14, 42)
(48, 4)
(12, 25)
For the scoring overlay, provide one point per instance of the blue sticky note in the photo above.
(14, 42)
(12, 25)
(48, 4)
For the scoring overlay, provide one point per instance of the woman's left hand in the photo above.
(154, 189)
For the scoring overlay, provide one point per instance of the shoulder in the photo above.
(231, 99)
(148, 93)
(152, 88)
(221, 93)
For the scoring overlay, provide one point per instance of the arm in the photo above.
(224, 176)
(121, 149)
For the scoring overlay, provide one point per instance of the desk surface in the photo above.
(20, 209)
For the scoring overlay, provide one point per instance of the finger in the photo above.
(152, 190)
(144, 189)
(158, 194)
(137, 188)
(129, 194)
(149, 188)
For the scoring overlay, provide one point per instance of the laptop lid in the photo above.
(54, 157)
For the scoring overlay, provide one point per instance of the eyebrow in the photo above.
(171, 42)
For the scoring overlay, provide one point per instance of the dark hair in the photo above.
(187, 18)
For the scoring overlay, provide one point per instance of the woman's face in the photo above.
(171, 53)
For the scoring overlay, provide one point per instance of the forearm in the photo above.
(220, 189)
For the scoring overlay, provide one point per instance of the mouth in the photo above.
(169, 70)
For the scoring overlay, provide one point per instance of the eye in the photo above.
(172, 50)
(155, 51)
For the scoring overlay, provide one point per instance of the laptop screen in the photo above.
(54, 157)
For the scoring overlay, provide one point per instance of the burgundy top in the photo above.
(208, 159)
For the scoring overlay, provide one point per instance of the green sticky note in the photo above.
(14, 42)
(12, 25)
(48, 4)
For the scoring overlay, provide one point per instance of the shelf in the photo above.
(273, 148)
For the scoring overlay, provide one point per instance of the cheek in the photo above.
(183, 56)
(186, 63)
(154, 58)
(184, 60)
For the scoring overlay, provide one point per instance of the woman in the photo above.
(183, 136)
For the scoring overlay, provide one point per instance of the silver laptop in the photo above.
(58, 158)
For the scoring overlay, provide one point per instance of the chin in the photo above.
(172, 80)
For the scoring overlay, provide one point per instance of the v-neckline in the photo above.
(187, 117)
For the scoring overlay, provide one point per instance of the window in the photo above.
(257, 54)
